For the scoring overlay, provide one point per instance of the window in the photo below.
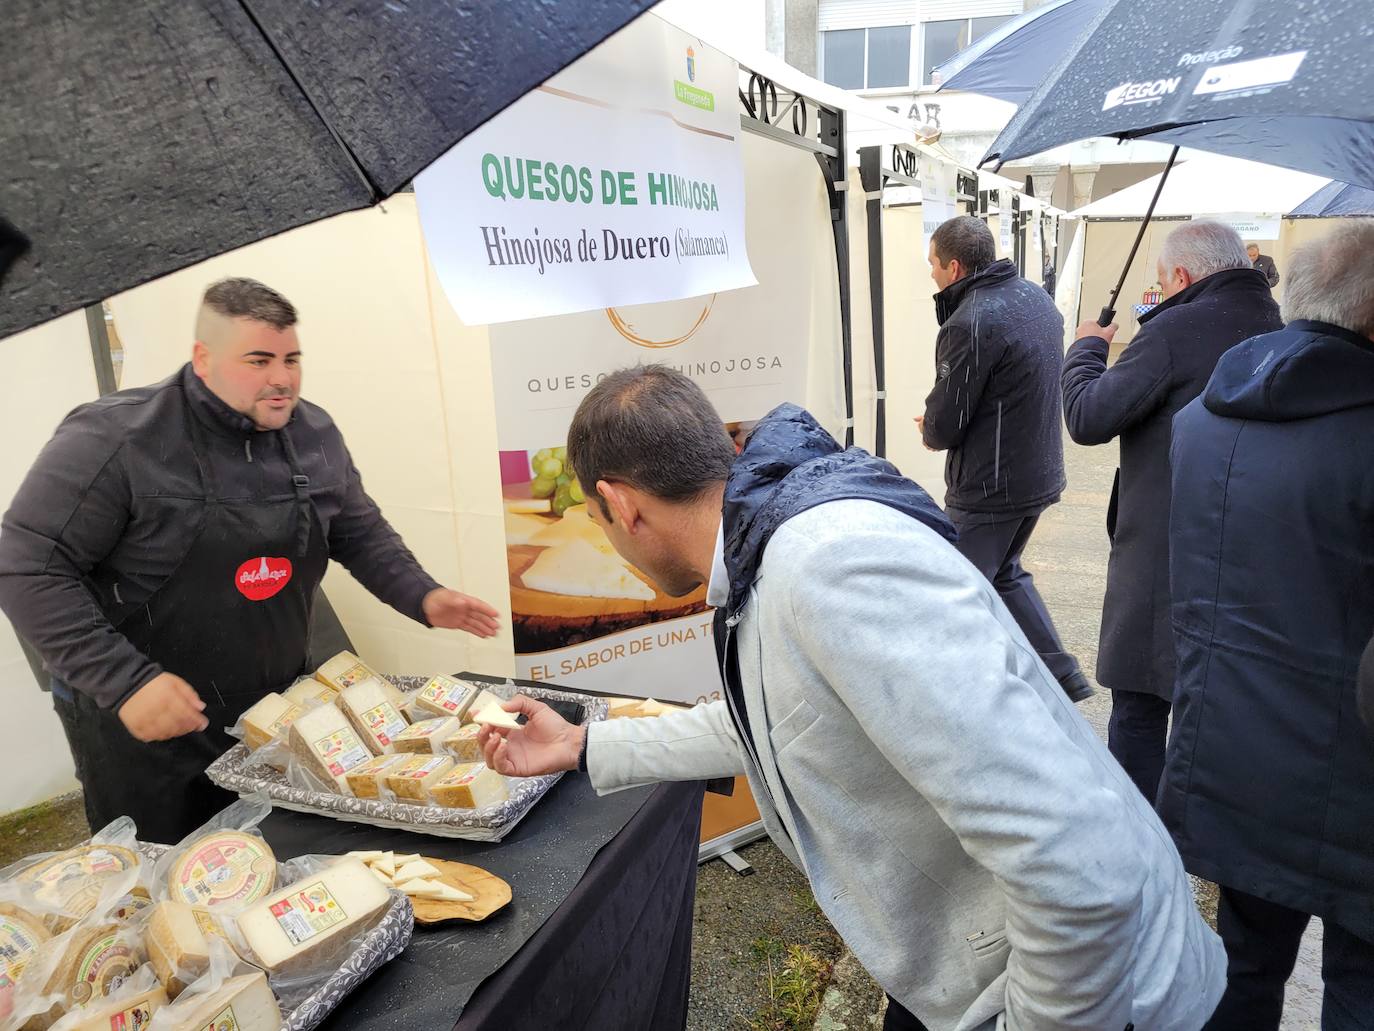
(867, 58)
(944, 39)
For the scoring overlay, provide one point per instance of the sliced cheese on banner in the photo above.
(223, 868)
(427, 736)
(578, 569)
(525, 506)
(410, 779)
(470, 786)
(520, 528)
(177, 939)
(365, 781)
(574, 526)
(307, 924)
(369, 707)
(130, 1013)
(268, 718)
(309, 692)
(243, 1003)
(444, 696)
(324, 740)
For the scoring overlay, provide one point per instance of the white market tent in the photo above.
(1209, 184)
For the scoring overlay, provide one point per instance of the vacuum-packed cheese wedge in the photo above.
(344, 670)
(72, 881)
(365, 781)
(243, 1003)
(463, 745)
(469, 786)
(178, 943)
(268, 718)
(95, 962)
(223, 868)
(369, 707)
(309, 692)
(411, 778)
(444, 696)
(299, 926)
(21, 936)
(325, 741)
(428, 736)
(130, 1013)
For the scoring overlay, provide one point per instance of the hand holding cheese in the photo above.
(547, 743)
(163, 708)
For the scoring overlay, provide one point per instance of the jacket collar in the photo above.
(947, 301)
(1331, 330)
(1217, 281)
(212, 411)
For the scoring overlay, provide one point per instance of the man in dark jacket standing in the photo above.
(1269, 785)
(1263, 263)
(163, 554)
(995, 409)
(1212, 301)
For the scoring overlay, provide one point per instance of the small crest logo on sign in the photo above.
(260, 578)
(691, 65)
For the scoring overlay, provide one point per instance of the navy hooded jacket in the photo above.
(1269, 783)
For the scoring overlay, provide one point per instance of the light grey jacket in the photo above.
(963, 828)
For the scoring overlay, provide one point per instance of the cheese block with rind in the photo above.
(444, 696)
(365, 781)
(130, 1013)
(309, 692)
(409, 781)
(267, 718)
(177, 939)
(344, 670)
(325, 742)
(463, 746)
(242, 1003)
(370, 710)
(426, 737)
(223, 868)
(469, 786)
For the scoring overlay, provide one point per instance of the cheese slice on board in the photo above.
(305, 924)
(576, 568)
(344, 670)
(176, 937)
(223, 868)
(369, 707)
(309, 692)
(267, 718)
(419, 869)
(324, 740)
(427, 889)
(470, 786)
(410, 779)
(365, 781)
(368, 856)
(131, 1013)
(243, 1003)
(495, 716)
(444, 696)
(427, 736)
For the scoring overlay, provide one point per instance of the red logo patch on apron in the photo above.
(260, 578)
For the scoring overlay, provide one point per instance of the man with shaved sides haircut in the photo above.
(164, 552)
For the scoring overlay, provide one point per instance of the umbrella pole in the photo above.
(1108, 314)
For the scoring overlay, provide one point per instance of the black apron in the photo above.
(233, 621)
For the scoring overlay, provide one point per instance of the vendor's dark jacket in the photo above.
(1267, 786)
(1265, 264)
(114, 503)
(995, 407)
(1161, 370)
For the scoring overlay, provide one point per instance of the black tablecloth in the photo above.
(598, 934)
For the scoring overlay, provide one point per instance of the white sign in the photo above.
(1004, 220)
(1251, 226)
(619, 181)
(939, 202)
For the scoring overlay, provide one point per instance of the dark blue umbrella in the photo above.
(1283, 82)
(1014, 58)
(1337, 199)
(139, 138)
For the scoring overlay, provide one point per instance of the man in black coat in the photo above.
(995, 409)
(1213, 300)
(1269, 785)
(1264, 264)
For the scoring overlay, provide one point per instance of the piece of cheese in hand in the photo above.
(495, 716)
(410, 779)
(368, 706)
(427, 736)
(130, 1013)
(578, 569)
(266, 719)
(365, 781)
(326, 742)
(177, 944)
(418, 869)
(243, 1003)
(470, 786)
(444, 696)
(309, 923)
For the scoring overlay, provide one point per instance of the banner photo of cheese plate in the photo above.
(581, 616)
(619, 181)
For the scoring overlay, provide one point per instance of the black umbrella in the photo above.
(138, 138)
(1282, 82)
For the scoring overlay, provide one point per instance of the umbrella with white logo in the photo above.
(1284, 82)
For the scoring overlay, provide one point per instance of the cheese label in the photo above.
(426, 728)
(207, 924)
(471, 775)
(103, 968)
(341, 751)
(447, 694)
(425, 769)
(18, 943)
(226, 868)
(224, 1020)
(352, 675)
(384, 722)
(306, 913)
(285, 720)
(136, 1018)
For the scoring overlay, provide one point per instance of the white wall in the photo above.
(48, 372)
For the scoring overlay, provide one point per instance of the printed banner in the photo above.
(1004, 220)
(939, 202)
(619, 181)
(1251, 227)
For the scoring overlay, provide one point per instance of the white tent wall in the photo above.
(50, 370)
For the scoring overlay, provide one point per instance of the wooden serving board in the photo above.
(489, 893)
